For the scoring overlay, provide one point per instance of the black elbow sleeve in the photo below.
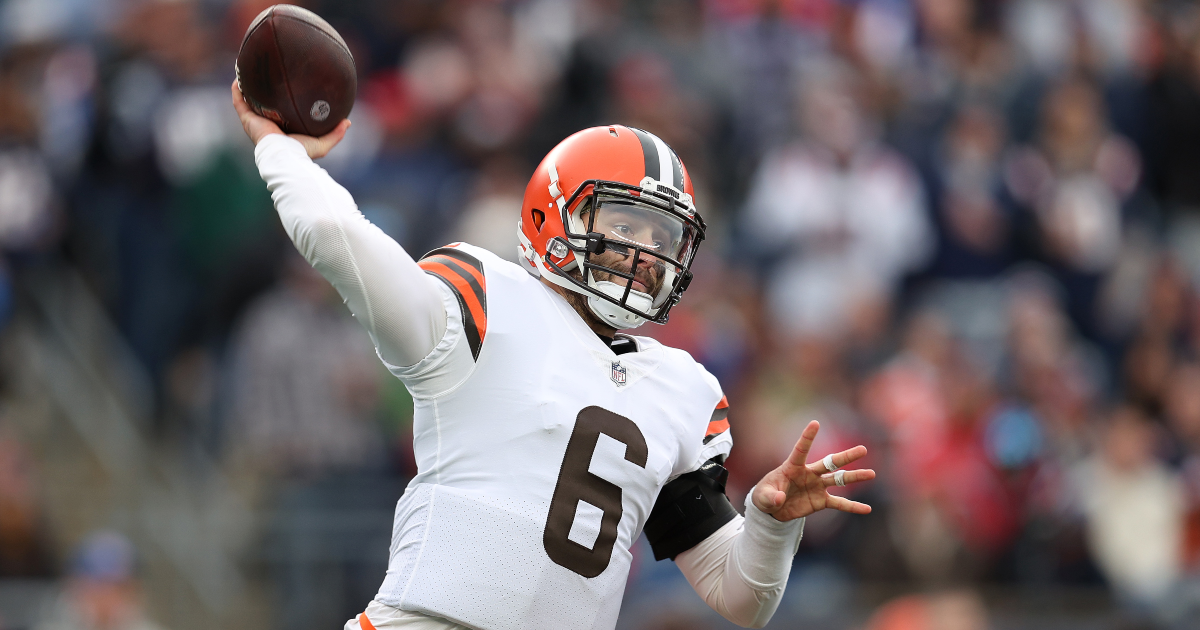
(689, 509)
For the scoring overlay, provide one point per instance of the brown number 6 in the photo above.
(576, 484)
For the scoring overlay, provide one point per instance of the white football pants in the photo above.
(383, 617)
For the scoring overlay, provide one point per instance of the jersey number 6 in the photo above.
(576, 484)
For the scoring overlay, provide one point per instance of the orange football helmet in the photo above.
(609, 214)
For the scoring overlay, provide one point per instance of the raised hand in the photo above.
(797, 488)
(258, 128)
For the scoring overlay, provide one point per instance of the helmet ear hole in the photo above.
(539, 218)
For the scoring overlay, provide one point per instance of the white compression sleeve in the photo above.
(741, 569)
(400, 306)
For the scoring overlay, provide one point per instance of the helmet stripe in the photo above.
(664, 160)
(677, 171)
(649, 152)
(662, 163)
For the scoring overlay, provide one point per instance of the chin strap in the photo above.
(614, 315)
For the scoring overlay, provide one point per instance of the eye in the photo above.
(624, 231)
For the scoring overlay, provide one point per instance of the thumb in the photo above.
(767, 498)
(319, 147)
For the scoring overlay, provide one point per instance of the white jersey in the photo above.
(540, 455)
(540, 450)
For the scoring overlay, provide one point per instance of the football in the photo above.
(295, 69)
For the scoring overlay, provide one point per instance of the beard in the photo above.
(650, 277)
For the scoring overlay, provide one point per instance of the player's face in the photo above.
(652, 231)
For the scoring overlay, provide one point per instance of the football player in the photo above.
(546, 440)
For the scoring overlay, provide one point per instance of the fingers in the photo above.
(256, 126)
(843, 504)
(338, 133)
(239, 103)
(319, 147)
(800, 452)
(849, 477)
(841, 460)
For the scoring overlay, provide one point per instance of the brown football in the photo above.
(296, 70)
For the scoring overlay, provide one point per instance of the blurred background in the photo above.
(965, 233)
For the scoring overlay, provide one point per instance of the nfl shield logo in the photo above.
(618, 373)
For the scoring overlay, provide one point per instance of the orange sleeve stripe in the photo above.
(447, 270)
(719, 422)
(465, 292)
(364, 623)
(446, 260)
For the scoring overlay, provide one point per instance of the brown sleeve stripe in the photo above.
(464, 274)
(466, 259)
(719, 422)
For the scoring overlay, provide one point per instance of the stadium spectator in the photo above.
(844, 215)
(305, 383)
(951, 610)
(102, 590)
(976, 222)
(1138, 546)
(1075, 180)
(24, 542)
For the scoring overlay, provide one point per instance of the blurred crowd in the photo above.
(965, 233)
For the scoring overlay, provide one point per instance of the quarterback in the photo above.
(546, 440)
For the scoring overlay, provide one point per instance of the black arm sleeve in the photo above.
(689, 509)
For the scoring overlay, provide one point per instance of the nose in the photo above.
(646, 261)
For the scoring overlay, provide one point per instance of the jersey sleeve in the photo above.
(693, 506)
(718, 441)
(463, 275)
(462, 282)
(399, 305)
